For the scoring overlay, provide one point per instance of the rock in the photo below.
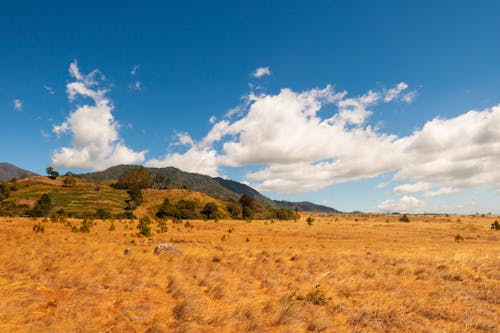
(166, 248)
(127, 251)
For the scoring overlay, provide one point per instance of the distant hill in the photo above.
(219, 188)
(306, 206)
(9, 171)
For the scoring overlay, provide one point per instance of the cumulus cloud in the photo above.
(441, 191)
(96, 143)
(406, 204)
(305, 141)
(18, 104)
(261, 71)
(412, 188)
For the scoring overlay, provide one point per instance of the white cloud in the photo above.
(412, 188)
(441, 191)
(261, 71)
(44, 134)
(305, 141)
(96, 143)
(18, 104)
(212, 119)
(409, 97)
(137, 85)
(134, 69)
(393, 93)
(49, 89)
(185, 139)
(406, 204)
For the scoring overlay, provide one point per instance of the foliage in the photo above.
(234, 209)
(310, 220)
(42, 207)
(138, 177)
(103, 214)
(144, 227)
(284, 214)
(135, 197)
(52, 174)
(183, 209)
(316, 296)
(404, 218)
(4, 192)
(69, 181)
(495, 225)
(38, 228)
(211, 211)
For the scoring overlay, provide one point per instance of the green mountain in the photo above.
(9, 171)
(219, 188)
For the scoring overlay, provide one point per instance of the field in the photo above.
(343, 273)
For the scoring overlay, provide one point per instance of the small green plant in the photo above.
(404, 218)
(86, 226)
(144, 227)
(162, 226)
(223, 238)
(38, 228)
(310, 220)
(459, 238)
(495, 225)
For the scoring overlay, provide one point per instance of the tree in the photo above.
(4, 192)
(69, 181)
(211, 211)
(135, 197)
(247, 206)
(53, 174)
(42, 207)
(140, 177)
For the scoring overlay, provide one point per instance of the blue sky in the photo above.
(361, 105)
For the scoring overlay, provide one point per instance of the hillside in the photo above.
(223, 189)
(9, 171)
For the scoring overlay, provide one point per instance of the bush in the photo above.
(38, 228)
(310, 220)
(103, 214)
(4, 192)
(211, 211)
(404, 218)
(495, 225)
(316, 296)
(42, 207)
(459, 238)
(86, 226)
(144, 227)
(284, 214)
(69, 181)
(137, 177)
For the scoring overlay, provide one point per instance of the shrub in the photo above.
(112, 226)
(103, 214)
(404, 218)
(4, 191)
(42, 207)
(144, 227)
(316, 296)
(211, 211)
(310, 220)
(459, 238)
(38, 228)
(69, 181)
(86, 226)
(495, 225)
(52, 174)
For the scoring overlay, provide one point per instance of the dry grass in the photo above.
(375, 274)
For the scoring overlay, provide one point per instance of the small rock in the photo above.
(127, 251)
(166, 248)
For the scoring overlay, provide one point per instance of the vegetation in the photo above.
(211, 211)
(4, 191)
(495, 225)
(139, 177)
(69, 181)
(144, 227)
(404, 218)
(310, 220)
(52, 174)
(43, 207)
(371, 276)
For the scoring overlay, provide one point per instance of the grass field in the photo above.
(365, 273)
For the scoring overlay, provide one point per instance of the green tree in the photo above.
(4, 192)
(248, 206)
(211, 211)
(140, 177)
(53, 174)
(135, 197)
(42, 207)
(144, 227)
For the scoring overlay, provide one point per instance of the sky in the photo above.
(376, 106)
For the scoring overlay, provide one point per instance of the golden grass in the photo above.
(375, 274)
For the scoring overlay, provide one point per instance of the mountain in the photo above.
(306, 206)
(9, 171)
(219, 188)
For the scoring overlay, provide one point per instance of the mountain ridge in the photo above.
(9, 171)
(214, 186)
